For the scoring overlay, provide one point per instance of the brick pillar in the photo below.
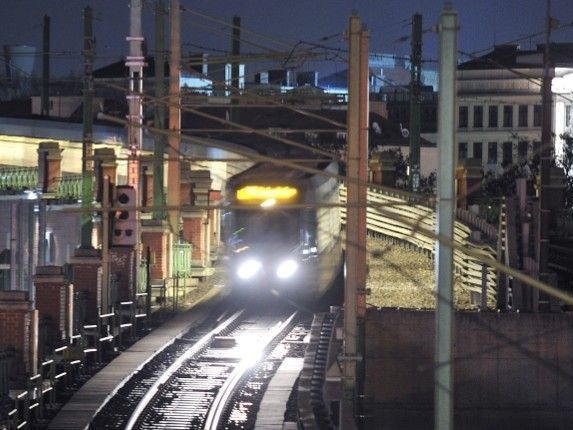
(122, 273)
(155, 234)
(54, 302)
(19, 331)
(388, 169)
(105, 164)
(194, 232)
(49, 167)
(375, 171)
(86, 270)
(468, 179)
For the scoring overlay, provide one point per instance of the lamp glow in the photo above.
(286, 269)
(249, 269)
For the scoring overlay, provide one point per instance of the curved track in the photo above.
(200, 388)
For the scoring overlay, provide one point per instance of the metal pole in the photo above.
(134, 61)
(235, 78)
(415, 83)
(443, 390)
(148, 285)
(355, 244)
(159, 139)
(87, 138)
(545, 167)
(15, 245)
(173, 151)
(41, 231)
(46, 68)
(105, 247)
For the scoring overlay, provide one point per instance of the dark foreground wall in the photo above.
(511, 371)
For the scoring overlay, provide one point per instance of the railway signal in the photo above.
(125, 219)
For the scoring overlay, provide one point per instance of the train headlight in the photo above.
(248, 269)
(286, 269)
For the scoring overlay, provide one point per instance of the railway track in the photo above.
(217, 380)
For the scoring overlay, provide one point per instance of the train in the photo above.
(282, 231)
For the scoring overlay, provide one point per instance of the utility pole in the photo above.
(105, 293)
(46, 68)
(174, 141)
(415, 101)
(545, 158)
(87, 133)
(134, 61)
(357, 159)
(443, 359)
(235, 69)
(159, 139)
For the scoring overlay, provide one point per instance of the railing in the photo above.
(384, 213)
(18, 179)
(14, 180)
(70, 187)
(181, 260)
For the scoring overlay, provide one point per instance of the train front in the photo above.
(265, 252)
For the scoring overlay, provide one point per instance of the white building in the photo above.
(499, 104)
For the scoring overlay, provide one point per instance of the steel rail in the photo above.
(193, 350)
(220, 402)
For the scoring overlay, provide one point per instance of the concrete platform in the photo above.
(273, 406)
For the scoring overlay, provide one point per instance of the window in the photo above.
(567, 115)
(522, 151)
(462, 150)
(507, 154)
(492, 153)
(477, 150)
(463, 117)
(537, 116)
(478, 116)
(522, 117)
(492, 117)
(508, 116)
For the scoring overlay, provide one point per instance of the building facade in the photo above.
(499, 104)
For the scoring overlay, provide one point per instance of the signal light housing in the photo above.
(125, 220)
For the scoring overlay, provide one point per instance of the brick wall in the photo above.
(122, 272)
(194, 232)
(157, 241)
(86, 265)
(54, 296)
(508, 368)
(19, 331)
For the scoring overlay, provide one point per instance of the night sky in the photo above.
(281, 24)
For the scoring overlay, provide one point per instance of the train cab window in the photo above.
(266, 227)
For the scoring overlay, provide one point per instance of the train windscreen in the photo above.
(273, 228)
